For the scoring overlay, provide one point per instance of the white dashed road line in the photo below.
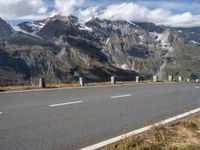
(119, 96)
(61, 104)
(197, 87)
(0, 113)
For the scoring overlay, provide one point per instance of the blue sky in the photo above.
(184, 13)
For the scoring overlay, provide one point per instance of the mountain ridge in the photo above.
(60, 49)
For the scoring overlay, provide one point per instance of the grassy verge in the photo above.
(17, 88)
(31, 87)
(12, 88)
(180, 135)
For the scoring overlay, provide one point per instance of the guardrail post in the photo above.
(42, 83)
(188, 80)
(180, 79)
(155, 78)
(170, 78)
(137, 79)
(113, 80)
(81, 81)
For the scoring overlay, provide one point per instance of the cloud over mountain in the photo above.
(160, 13)
(67, 7)
(139, 13)
(11, 9)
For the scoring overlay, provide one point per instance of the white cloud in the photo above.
(183, 20)
(139, 13)
(125, 11)
(42, 10)
(88, 13)
(162, 13)
(13, 9)
(74, 7)
(34, 17)
(67, 7)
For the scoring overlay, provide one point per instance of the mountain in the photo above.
(60, 49)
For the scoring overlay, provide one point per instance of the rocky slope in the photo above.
(60, 49)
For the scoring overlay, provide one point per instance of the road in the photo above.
(75, 118)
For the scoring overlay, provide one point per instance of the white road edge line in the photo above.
(138, 131)
(119, 96)
(61, 104)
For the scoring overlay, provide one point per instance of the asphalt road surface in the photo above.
(70, 119)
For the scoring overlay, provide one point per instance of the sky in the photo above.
(176, 13)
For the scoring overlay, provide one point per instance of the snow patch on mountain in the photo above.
(133, 24)
(141, 37)
(36, 26)
(194, 42)
(162, 40)
(125, 67)
(18, 29)
(108, 40)
(84, 27)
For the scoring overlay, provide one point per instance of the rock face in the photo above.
(60, 49)
(5, 29)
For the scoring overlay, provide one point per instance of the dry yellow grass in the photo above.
(29, 87)
(13, 88)
(17, 88)
(181, 135)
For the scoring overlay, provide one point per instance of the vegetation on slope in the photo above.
(181, 135)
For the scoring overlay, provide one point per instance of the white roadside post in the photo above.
(137, 79)
(188, 80)
(81, 81)
(197, 80)
(170, 78)
(155, 78)
(113, 80)
(42, 83)
(180, 79)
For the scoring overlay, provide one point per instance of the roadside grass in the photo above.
(180, 135)
(30, 87)
(12, 88)
(16, 88)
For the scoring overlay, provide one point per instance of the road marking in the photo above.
(139, 131)
(119, 96)
(197, 87)
(0, 113)
(61, 104)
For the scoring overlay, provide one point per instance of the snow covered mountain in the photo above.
(61, 48)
